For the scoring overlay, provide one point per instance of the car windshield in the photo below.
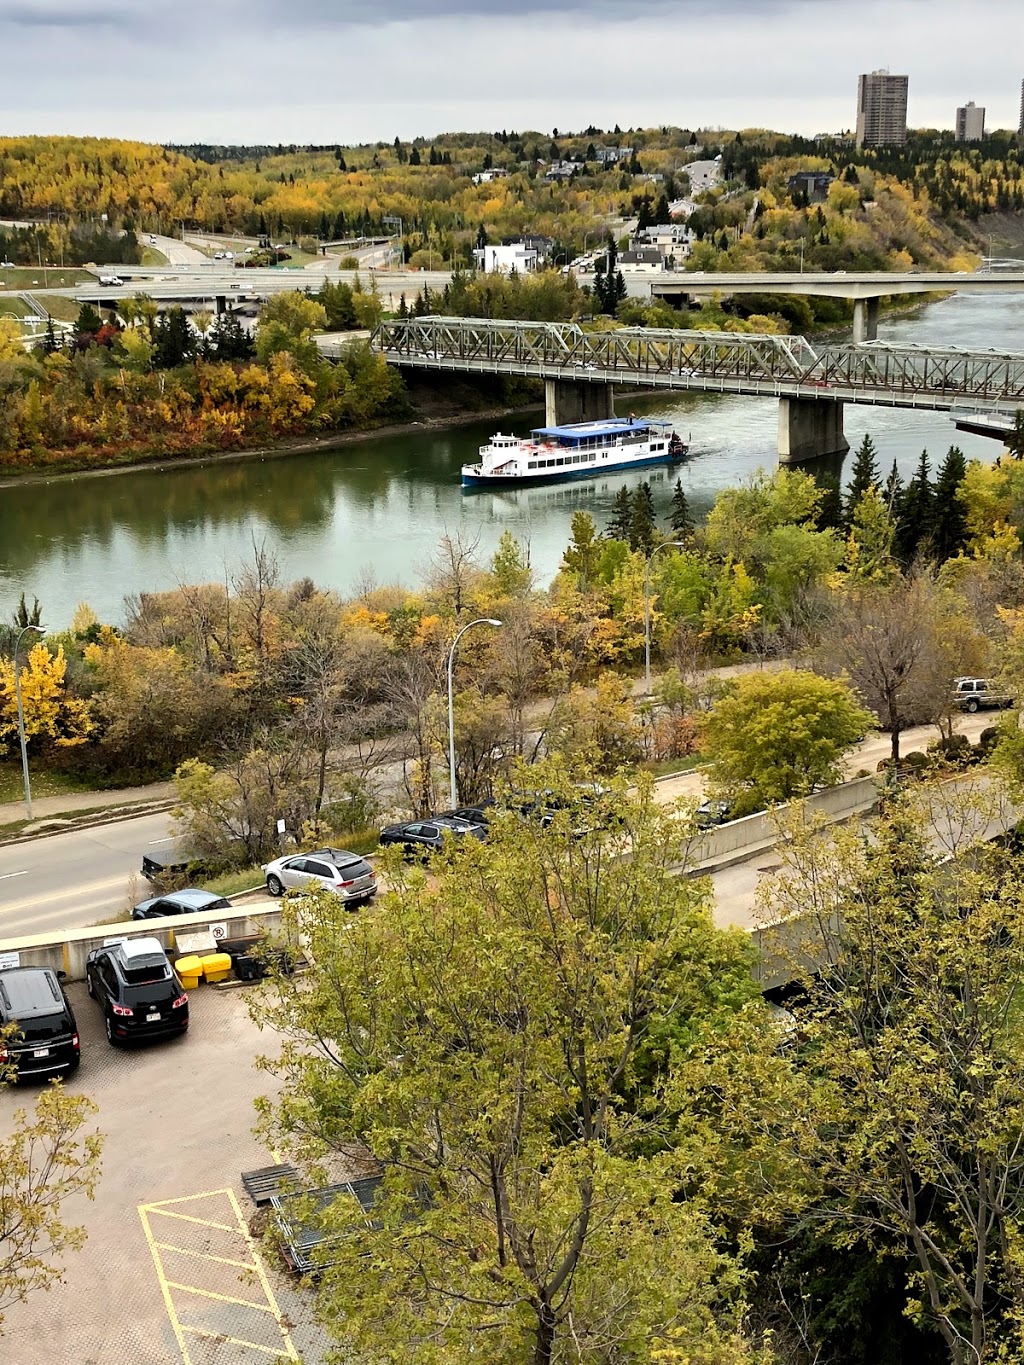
(43, 1026)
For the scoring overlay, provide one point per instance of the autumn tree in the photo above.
(47, 1158)
(49, 709)
(489, 1041)
(774, 736)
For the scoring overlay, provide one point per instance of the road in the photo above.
(67, 881)
(177, 252)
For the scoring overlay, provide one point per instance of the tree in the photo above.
(621, 518)
(1015, 438)
(583, 552)
(680, 519)
(949, 531)
(287, 323)
(863, 476)
(879, 639)
(491, 1038)
(916, 522)
(909, 1122)
(46, 1160)
(48, 708)
(642, 523)
(774, 736)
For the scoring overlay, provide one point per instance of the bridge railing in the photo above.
(665, 356)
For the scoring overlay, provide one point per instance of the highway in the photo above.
(838, 284)
(67, 881)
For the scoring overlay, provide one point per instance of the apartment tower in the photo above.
(970, 122)
(881, 110)
(1020, 126)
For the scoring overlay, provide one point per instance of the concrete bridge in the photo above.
(812, 384)
(863, 288)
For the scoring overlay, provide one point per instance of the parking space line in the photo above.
(255, 1265)
(236, 1341)
(205, 1256)
(220, 1298)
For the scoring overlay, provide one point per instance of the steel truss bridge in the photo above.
(785, 367)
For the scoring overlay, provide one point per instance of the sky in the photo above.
(348, 71)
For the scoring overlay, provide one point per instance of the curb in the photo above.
(102, 816)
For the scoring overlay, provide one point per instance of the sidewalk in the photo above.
(52, 807)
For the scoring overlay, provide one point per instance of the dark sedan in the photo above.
(427, 836)
(191, 901)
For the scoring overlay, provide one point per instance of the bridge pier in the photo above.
(809, 427)
(221, 303)
(565, 400)
(865, 320)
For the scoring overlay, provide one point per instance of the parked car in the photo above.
(172, 859)
(473, 815)
(138, 990)
(711, 813)
(46, 1043)
(427, 836)
(346, 874)
(191, 901)
(977, 694)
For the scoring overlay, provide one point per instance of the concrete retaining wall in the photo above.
(66, 950)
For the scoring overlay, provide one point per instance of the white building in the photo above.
(645, 260)
(704, 175)
(504, 259)
(673, 240)
(485, 177)
(970, 122)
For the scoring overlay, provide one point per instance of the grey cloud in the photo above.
(58, 16)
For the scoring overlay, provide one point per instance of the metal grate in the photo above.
(306, 1243)
(269, 1181)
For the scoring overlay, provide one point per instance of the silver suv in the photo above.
(976, 694)
(346, 874)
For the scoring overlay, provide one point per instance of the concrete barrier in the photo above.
(67, 949)
(737, 840)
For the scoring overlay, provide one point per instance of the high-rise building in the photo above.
(881, 110)
(1020, 126)
(970, 122)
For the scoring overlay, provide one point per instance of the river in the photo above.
(374, 510)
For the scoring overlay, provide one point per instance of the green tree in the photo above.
(949, 531)
(916, 523)
(621, 517)
(45, 1160)
(287, 323)
(510, 567)
(642, 523)
(774, 736)
(909, 1122)
(583, 554)
(1015, 438)
(863, 476)
(487, 1040)
(680, 518)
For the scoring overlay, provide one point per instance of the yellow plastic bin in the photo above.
(190, 969)
(216, 966)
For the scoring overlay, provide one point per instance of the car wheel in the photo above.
(972, 705)
(110, 1032)
(275, 886)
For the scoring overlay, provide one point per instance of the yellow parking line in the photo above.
(206, 1256)
(236, 1341)
(187, 1218)
(221, 1298)
(164, 1290)
(241, 1229)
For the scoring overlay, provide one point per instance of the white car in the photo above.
(346, 874)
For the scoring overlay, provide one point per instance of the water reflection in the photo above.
(380, 505)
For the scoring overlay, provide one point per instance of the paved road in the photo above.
(70, 880)
(177, 252)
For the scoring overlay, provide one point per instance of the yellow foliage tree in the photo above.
(48, 708)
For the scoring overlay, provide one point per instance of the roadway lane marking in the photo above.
(168, 840)
(5, 876)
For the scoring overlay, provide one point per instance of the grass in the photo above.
(44, 783)
(150, 256)
(671, 766)
(64, 310)
(231, 883)
(14, 307)
(41, 277)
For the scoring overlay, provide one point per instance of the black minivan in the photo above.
(46, 1041)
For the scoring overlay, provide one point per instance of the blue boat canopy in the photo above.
(588, 431)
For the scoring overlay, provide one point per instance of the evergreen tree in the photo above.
(949, 533)
(622, 515)
(173, 339)
(679, 518)
(917, 514)
(414, 157)
(24, 617)
(830, 516)
(50, 342)
(862, 477)
(1015, 439)
(229, 340)
(642, 524)
(87, 324)
(403, 307)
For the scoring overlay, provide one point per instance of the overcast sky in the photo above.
(341, 71)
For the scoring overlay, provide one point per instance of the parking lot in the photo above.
(170, 1274)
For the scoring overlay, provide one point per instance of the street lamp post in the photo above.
(21, 715)
(669, 544)
(480, 621)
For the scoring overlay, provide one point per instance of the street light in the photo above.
(669, 544)
(21, 715)
(480, 621)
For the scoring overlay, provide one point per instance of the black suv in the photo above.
(138, 989)
(46, 1041)
(427, 836)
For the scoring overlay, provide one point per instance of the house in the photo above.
(533, 242)
(485, 177)
(504, 259)
(611, 156)
(704, 175)
(811, 185)
(562, 170)
(681, 208)
(672, 240)
(644, 260)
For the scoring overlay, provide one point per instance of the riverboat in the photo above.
(575, 451)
